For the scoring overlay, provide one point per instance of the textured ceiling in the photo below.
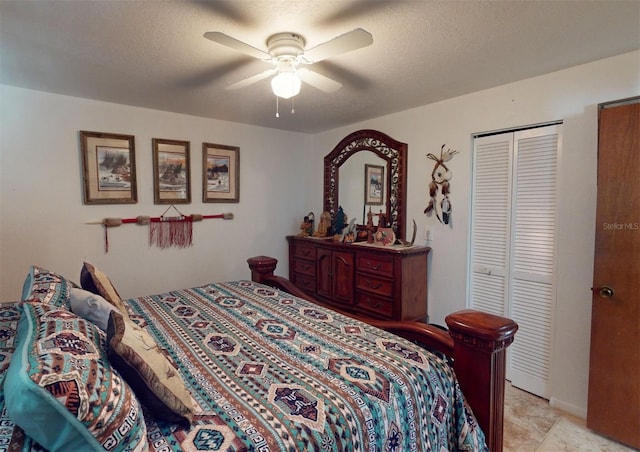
(152, 53)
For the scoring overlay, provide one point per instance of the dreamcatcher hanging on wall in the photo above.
(164, 231)
(439, 188)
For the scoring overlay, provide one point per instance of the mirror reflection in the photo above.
(352, 191)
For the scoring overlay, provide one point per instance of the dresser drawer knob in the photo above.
(372, 304)
(373, 267)
(372, 285)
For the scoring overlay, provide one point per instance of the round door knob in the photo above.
(605, 292)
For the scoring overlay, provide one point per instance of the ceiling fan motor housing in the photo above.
(285, 46)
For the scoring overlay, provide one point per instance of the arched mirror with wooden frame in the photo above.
(393, 153)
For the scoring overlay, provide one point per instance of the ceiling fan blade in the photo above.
(253, 79)
(319, 81)
(355, 39)
(234, 44)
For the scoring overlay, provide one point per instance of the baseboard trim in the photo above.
(570, 408)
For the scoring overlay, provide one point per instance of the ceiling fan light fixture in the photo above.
(286, 84)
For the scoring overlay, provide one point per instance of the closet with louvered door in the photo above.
(513, 243)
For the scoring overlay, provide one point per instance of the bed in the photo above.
(239, 366)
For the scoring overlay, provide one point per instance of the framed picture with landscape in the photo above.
(373, 184)
(171, 171)
(221, 173)
(108, 168)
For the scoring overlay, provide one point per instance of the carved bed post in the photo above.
(262, 267)
(480, 343)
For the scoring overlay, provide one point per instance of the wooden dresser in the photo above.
(388, 283)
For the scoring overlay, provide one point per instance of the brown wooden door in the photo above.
(614, 371)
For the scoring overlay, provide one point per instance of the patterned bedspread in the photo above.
(271, 372)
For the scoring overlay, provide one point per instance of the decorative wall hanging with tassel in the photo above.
(164, 231)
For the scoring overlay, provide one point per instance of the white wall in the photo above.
(43, 217)
(570, 95)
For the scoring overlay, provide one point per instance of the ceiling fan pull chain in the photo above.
(292, 109)
(277, 107)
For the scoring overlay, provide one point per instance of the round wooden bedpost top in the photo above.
(481, 330)
(262, 266)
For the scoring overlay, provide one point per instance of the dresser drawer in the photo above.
(305, 267)
(306, 283)
(304, 251)
(381, 307)
(372, 284)
(373, 263)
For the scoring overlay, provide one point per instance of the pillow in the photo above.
(156, 382)
(94, 280)
(46, 287)
(9, 317)
(91, 307)
(61, 389)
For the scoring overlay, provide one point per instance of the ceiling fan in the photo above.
(286, 51)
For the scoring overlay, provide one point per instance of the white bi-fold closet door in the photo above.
(513, 243)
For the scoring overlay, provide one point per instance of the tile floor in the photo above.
(530, 424)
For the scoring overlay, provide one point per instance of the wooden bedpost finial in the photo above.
(261, 267)
(480, 343)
